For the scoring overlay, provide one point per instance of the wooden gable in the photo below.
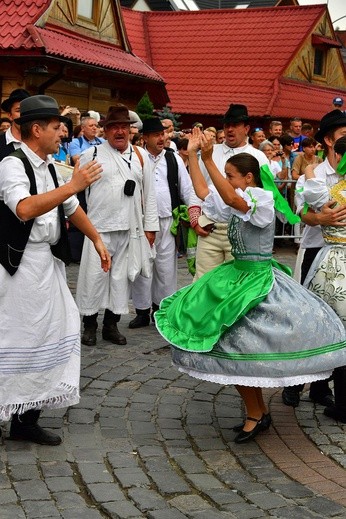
(319, 61)
(99, 19)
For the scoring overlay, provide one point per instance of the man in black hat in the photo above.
(11, 139)
(115, 206)
(39, 327)
(332, 127)
(173, 188)
(213, 247)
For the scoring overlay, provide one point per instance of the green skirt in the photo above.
(195, 317)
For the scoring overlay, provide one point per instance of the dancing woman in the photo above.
(238, 324)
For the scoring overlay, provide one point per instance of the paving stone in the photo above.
(94, 473)
(325, 506)
(67, 500)
(32, 490)
(166, 514)
(61, 484)
(51, 469)
(267, 501)
(169, 482)
(83, 513)
(36, 509)
(204, 481)
(12, 512)
(104, 492)
(146, 499)
(121, 510)
(24, 472)
(8, 496)
(190, 503)
(130, 477)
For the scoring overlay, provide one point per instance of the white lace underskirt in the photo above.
(253, 381)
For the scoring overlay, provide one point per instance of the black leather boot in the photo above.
(338, 411)
(110, 330)
(90, 327)
(291, 395)
(24, 427)
(142, 319)
(155, 307)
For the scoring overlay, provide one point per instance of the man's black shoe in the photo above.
(337, 414)
(89, 336)
(325, 400)
(140, 321)
(291, 396)
(112, 334)
(33, 433)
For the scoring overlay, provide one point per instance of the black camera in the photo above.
(129, 187)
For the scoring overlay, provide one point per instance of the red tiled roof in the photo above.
(307, 101)
(19, 34)
(93, 52)
(16, 15)
(212, 58)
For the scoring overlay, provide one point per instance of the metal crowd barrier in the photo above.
(284, 230)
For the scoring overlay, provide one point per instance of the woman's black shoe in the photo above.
(246, 436)
(266, 421)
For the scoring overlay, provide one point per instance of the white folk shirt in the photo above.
(109, 208)
(11, 139)
(221, 153)
(312, 235)
(15, 186)
(159, 168)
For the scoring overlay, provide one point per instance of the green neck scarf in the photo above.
(280, 203)
(341, 167)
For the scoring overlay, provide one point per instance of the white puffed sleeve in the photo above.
(316, 193)
(261, 206)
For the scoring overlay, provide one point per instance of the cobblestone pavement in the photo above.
(148, 442)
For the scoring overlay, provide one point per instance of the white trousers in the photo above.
(163, 281)
(98, 289)
(213, 250)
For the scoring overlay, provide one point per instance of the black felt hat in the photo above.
(39, 107)
(16, 95)
(152, 125)
(330, 121)
(236, 114)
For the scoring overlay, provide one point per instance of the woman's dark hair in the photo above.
(286, 140)
(77, 130)
(340, 146)
(308, 141)
(182, 144)
(273, 138)
(246, 163)
(136, 138)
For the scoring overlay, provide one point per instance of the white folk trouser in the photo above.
(213, 250)
(98, 289)
(163, 281)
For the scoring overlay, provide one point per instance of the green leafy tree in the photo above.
(145, 107)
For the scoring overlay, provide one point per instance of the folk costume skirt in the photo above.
(249, 323)
(39, 335)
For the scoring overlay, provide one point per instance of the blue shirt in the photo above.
(80, 144)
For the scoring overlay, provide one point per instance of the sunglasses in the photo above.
(257, 130)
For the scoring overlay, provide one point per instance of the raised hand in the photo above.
(194, 141)
(207, 147)
(83, 177)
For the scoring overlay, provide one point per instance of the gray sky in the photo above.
(337, 8)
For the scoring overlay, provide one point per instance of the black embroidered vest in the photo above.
(14, 234)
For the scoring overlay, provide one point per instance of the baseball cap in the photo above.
(338, 101)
